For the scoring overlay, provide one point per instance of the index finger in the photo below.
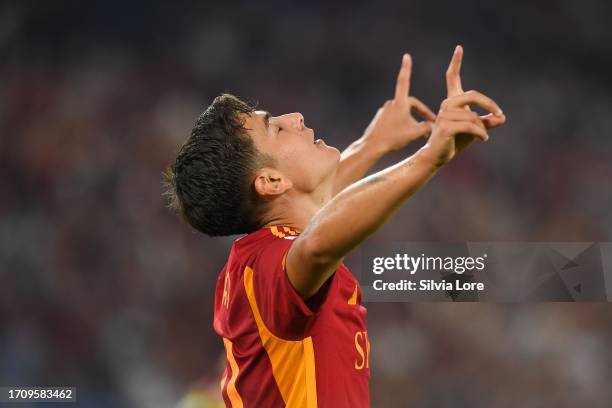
(402, 87)
(453, 78)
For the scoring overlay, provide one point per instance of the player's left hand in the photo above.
(454, 88)
(394, 126)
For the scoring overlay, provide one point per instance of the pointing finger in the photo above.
(453, 78)
(402, 86)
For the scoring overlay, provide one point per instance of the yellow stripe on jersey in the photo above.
(293, 364)
(223, 380)
(353, 299)
(232, 392)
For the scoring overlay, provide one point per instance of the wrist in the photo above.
(430, 158)
(373, 147)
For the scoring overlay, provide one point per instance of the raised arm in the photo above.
(359, 210)
(392, 128)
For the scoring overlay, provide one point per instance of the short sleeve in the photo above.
(282, 309)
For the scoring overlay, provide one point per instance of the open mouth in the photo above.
(318, 141)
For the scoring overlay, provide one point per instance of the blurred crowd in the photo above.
(102, 288)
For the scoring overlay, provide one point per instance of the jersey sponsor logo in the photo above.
(362, 346)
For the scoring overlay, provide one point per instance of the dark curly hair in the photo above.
(210, 183)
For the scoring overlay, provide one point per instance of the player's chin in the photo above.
(332, 152)
(327, 156)
(320, 144)
(336, 155)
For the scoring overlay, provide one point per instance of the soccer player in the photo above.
(288, 310)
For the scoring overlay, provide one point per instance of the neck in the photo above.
(295, 209)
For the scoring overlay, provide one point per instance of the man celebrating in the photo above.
(288, 310)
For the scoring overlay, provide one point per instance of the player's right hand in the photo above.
(456, 126)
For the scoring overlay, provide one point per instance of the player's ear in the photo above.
(270, 182)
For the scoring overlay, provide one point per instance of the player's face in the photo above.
(306, 161)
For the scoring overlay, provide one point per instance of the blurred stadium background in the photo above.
(102, 288)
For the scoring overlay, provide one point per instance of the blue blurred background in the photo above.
(102, 288)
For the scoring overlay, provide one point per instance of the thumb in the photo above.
(422, 129)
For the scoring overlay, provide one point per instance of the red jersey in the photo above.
(283, 351)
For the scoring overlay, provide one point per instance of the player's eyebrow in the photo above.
(266, 119)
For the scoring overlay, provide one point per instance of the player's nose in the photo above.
(300, 121)
(297, 120)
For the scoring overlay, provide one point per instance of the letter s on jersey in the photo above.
(362, 345)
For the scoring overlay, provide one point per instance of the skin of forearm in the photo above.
(355, 162)
(359, 210)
